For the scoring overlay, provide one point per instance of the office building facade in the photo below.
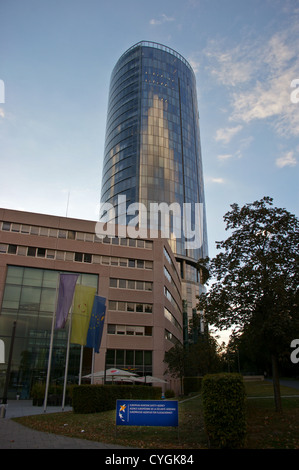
(153, 151)
(138, 277)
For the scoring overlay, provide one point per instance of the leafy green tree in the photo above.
(255, 279)
(204, 357)
(197, 359)
(175, 358)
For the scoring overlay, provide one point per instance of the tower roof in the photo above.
(161, 47)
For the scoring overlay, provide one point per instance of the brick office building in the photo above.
(139, 278)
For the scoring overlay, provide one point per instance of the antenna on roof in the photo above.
(67, 205)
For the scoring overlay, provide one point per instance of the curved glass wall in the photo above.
(29, 299)
(152, 149)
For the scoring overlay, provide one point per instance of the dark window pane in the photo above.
(6, 226)
(79, 257)
(87, 258)
(120, 357)
(31, 251)
(12, 249)
(138, 358)
(41, 252)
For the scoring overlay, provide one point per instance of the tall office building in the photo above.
(152, 156)
(153, 152)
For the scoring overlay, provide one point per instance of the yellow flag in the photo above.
(83, 302)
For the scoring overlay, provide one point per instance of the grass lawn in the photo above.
(266, 429)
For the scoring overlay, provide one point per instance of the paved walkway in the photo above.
(290, 383)
(16, 436)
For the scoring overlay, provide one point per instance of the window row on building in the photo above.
(171, 299)
(171, 337)
(135, 360)
(120, 306)
(74, 235)
(172, 319)
(75, 256)
(171, 263)
(129, 330)
(170, 279)
(131, 284)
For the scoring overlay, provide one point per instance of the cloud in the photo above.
(194, 64)
(163, 19)
(224, 67)
(257, 75)
(225, 135)
(224, 157)
(216, 180)
(2, 114)
(287, 159)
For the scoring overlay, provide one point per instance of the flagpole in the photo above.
(81, 361)
(51, 348)
(92, 366)
(67, 357)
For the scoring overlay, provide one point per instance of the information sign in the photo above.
(147, 413)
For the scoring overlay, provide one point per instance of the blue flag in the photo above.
(96, 325)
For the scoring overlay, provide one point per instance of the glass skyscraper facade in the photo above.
(152, 147)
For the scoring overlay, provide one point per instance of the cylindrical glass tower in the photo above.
(152, 148)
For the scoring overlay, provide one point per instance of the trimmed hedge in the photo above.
(55, 393)
(97, 398)
(224, 410)
(192, 384)
(169, 393)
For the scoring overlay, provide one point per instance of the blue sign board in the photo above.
(147, 413)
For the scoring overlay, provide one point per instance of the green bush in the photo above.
(169, 393)
(97, 398)
(224, 410)
(55, 393)
(192, 384)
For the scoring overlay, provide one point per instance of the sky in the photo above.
(56, 59)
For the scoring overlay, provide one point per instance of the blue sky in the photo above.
(56, 57)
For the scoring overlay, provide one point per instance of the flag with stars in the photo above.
(96, 325)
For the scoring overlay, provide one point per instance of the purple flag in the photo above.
(65, 297)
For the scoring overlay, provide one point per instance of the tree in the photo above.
(204, 357)
(175, 358)
(204, 354)
(196, 359)
(255, 279)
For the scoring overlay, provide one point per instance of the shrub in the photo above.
(224, 410)
(55, 393)
(192, 384)
(169, 393)
(97, 398)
